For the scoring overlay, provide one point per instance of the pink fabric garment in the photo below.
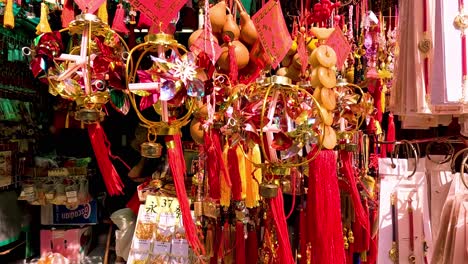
(409, 81)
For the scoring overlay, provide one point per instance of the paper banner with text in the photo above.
(272, 31)
(159, 11)
(89, 6)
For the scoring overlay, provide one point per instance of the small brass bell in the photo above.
(89, 116)
(151, 150)
(268, 190)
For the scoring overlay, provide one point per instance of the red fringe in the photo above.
(212, 167)
(347, 170)
(240, 244)
(391, 133)
(217, 244)
(284, 248)
(376, 88)
(233, 68)
(118, 23)
(302, 237)
(68, 13)
(101, 149)
(216, 139)
(234, 173)
(323, 210)
(178, 169)
(252, 246)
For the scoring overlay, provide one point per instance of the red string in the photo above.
(233, 68)
(216, 139)
(348, 172)
(323, 211)
(284, 248)
(240, 244)
(302, 237)
(293, 187)
(110, 176)
(234, 174)
(391, 132)
(212, 167)
(177, 164)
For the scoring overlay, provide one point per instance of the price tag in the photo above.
(272, 31)
(162, 204)
(72, 196)
(141, 245)
(337, 41)
(161, 248)
(159, 11)
(88, 6)
(179, 247)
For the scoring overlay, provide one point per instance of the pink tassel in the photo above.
(233, 168)
(284, 248)
(240, 244)
(212, 167)
(323, 210)
(68, 13)
(177, 164)
(118, 23)
(101, 149)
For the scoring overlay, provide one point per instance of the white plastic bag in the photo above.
(125, 220)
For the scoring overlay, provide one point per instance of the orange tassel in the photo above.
(9, 17)
(102, 13)
(43, 26)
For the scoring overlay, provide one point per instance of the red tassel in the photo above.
(217, 243)
(212, 167)
(240, 243)
(347, 170)
(175, 156)
(325, 233)
(118, 23)
(101, 149)
(284, 248)
(252, 246)
(391, 131)
(68, 13)
(233, 168)
(375, 87)
(233, 68)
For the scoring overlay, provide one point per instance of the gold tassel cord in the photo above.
(43, 26)
(9, 17)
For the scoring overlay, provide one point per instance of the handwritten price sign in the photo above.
(89, 6)
(159, 10)
(337, 41)
(162, 204)
(272, 31)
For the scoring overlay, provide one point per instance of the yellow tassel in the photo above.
(254, 177)
(9, 17)
(102, 13)
(43, 26)
(249, 169)
(225, 189)
(241, 160)
(67, 120)
(383, 98)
